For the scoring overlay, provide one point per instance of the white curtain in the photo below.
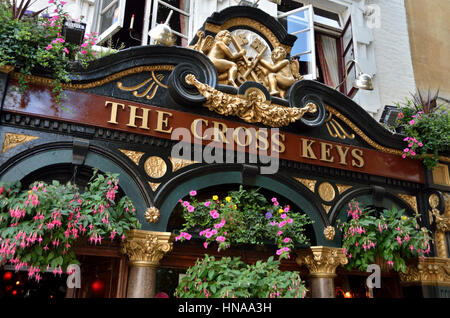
(331, 57)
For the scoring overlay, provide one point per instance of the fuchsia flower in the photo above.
(193, 193)
(190, 208)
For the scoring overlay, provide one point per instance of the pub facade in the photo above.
(207, 117)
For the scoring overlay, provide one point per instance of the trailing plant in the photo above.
(39, 226)
(392, 235)
(34, 42)
(427, 128)
(243, 217)
(232, 278)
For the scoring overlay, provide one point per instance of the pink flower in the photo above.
(220, 239)
(207, 203)
(84, 44)
(279, 233)
(283, 223)
(287, 240)
(404, 156)
(274, 199)
(219, 225)
(205, 244)
(185, 203)
(49, 47)
(193, 193)
(412, 153)
(50, 1)
(83, 52)
(279, 252)
(406, 150)
(412, 122)
(420, 144)
(214, 214)
(283, 216)
(290, 221)
(62, 2)
(190, 208)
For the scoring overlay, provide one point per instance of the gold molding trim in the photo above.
(251, 107)
(178, 163)
(321, 261)
(441, 175)
(147, 248)
(427, 271)
(138, 69)
(326, 191)
(135, 156)
(150, 91)
(310, 184)
(343, 187)
(410, 199)
(13, 140)
(152, 215)
(442, 224)
(335, 129)
(259, 27)
(326, 208)
(6, 69)
(154, 185)
(361, 134)
(155, 167)
(329, 232)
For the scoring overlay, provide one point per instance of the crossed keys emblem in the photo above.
(235, 67)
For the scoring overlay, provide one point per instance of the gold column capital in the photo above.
(321, 261)
(427, 271)
(146, 248)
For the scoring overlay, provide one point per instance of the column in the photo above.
(144, 249)
(322, 262)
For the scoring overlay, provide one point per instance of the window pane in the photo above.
(302, 45)
(347, 36)
(350, 78)
(298, 21)
(178, 22)
(105, 3)
(109, 18)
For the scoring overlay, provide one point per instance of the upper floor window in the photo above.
(108, 17)
(126, 23)
(324, 43)
(181, 20)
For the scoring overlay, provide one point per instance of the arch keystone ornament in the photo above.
(322, 262)
(145, 249)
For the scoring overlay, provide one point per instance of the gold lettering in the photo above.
(277, 145)
(220, 129)
(133, 116)
(307, 151)
(162, 123)
(262, 139)
(247, 137)
(113, 119)
(325, 152)
(358, 155)
(342, 154)
(194, 127)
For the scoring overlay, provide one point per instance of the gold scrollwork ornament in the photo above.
(252, 107)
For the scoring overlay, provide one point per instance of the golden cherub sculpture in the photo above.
(282, 73)
(222, 57)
